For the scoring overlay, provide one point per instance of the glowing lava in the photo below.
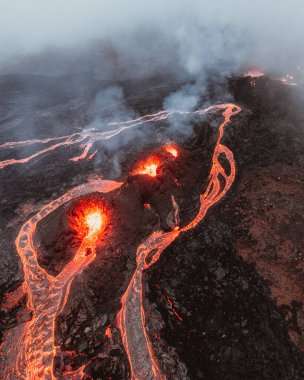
(90, 218)
(172, 150)
(148, 167)
(131, 318)
(255, 73)
(94, 221)
(86, 139)
(28, 350)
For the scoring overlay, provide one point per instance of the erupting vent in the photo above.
(94, 221)
(88, 219)
(172, 150)
(148, 167)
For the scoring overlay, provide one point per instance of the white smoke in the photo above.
(108, 106)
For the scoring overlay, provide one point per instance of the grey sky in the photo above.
(269, 32)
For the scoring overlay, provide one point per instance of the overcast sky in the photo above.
(270, 32)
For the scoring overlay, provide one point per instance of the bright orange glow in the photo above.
(94, 221)
(29, 348)
(132, 328)
(108, 332)
(88, 218)
(172, 150)
(148, 167)
(254, 73)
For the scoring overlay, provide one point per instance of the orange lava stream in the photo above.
(131, 318)
(29, 348)
(84, 139)
(87, 138)
(172, 307)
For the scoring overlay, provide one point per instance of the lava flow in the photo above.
(86, 139)
(29, 348)
(131, 318)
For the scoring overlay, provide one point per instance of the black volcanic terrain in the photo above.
(225, 299)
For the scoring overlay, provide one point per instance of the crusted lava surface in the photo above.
(225, 300)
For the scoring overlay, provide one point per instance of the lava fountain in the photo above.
(94, 221)
(89, 219)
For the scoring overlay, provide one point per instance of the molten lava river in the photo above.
(29, 349)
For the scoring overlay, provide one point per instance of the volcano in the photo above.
(184, 263)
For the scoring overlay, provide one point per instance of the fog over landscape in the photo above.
(145, 38)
